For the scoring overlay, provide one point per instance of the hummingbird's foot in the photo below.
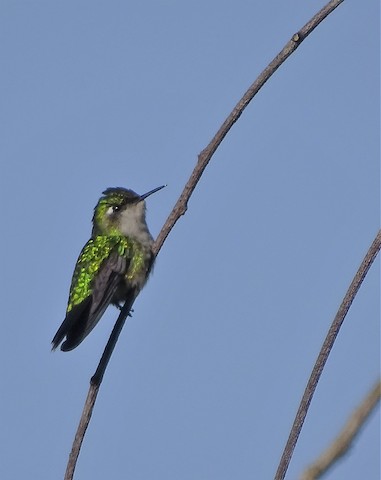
(119, 306)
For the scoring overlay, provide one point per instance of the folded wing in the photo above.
(83, 317)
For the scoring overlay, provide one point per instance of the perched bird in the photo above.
(112, 266)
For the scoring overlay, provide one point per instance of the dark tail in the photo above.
(73, 327)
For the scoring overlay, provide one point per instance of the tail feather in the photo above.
(73, 327)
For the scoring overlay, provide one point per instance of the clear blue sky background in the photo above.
(208, 373)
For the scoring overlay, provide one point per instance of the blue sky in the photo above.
(208, 374)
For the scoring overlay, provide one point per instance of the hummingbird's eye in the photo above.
(113, 209)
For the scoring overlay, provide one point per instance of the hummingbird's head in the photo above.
(121, 211)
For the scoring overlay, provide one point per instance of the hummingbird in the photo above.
(113, 266)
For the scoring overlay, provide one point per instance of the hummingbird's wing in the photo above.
(82, 317)
(104, 287)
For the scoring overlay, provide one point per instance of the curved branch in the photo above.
(343, 441)
(206, 154)
(181, 207)
(323, 355)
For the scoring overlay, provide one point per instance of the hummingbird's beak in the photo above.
(143, 197)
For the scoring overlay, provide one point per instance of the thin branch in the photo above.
(323, 356)
(343, 441)
(206, 154)
(95, 383)
(81, 430)
(181, 207)
(97, 378)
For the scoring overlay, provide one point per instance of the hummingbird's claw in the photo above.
(119, 306)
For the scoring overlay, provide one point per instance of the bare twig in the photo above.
(206, 154)
(323, 356)
(344, 440)
(95, 382)
(81, 430)
(181, 207)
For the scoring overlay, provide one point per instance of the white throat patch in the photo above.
(132, 223)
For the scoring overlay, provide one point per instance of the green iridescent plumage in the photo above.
(90, 259)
